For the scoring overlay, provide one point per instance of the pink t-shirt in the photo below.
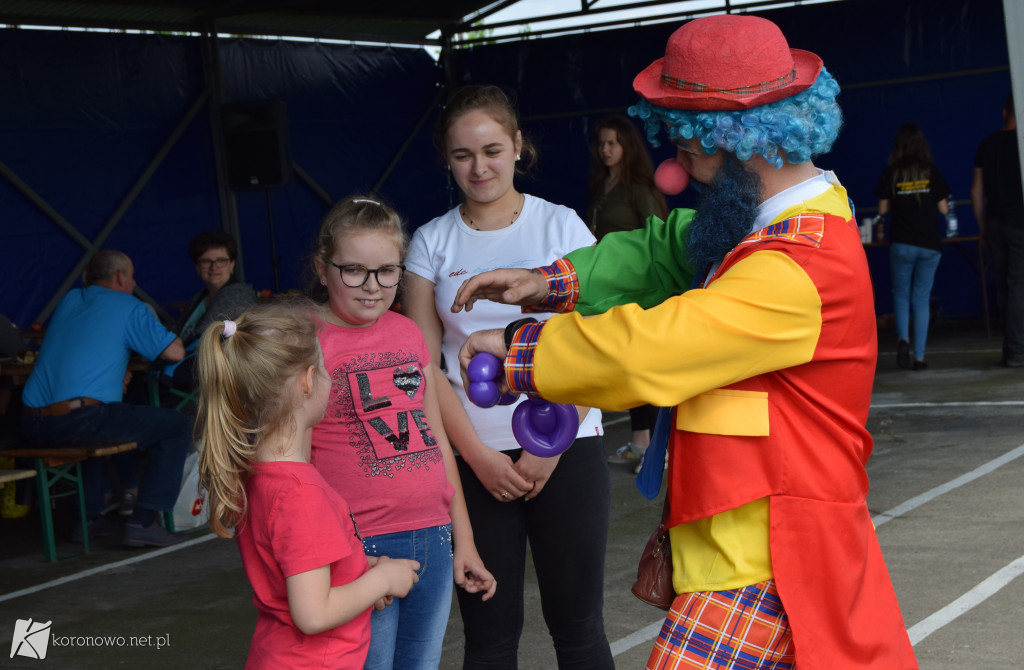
(374, 445)
(295, 523)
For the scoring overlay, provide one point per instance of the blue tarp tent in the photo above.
(109, 132)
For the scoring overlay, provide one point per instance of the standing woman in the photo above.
(561, 504)
(622, 197)
(913, 189)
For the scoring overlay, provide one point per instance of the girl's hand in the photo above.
(470, 573)
(400, 575)
(537, 470)
(498, 475)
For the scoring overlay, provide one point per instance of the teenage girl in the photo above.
(262, 389)
(381, 443)
(622, 197)
(558, 506)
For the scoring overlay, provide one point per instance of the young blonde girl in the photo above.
(262, 389)
(381, 443)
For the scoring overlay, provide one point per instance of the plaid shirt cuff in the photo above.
(563, 289)
(519, 360)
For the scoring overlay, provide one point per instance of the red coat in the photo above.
(809, 462)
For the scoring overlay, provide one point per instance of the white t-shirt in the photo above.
(446, 252)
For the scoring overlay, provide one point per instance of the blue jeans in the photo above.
(913, 272)
(408, 634)
(166, 435)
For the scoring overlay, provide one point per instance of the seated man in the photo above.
(75, 391)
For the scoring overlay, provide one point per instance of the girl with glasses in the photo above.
(381, 444)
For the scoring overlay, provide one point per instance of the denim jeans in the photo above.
(408, 634)
(913, 273)
(566, 529)
(166, 435)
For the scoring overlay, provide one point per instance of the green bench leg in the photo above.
(46, 479)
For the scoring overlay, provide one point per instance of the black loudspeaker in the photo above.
(256, 141)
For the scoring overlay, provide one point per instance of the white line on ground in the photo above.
(966, 478)
(943, 616)
(635, 639)
(966, 602)
(103, 568)
(987, 403)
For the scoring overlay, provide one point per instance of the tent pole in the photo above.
(125, 203)
(1013, 13)
(226, 197)
(408, 140)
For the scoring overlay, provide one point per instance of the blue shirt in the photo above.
(87, 346)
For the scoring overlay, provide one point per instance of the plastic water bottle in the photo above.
(952, 225)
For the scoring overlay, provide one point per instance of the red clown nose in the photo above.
(671, 178)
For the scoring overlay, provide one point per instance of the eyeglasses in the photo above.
(207, 263)
(354, 276)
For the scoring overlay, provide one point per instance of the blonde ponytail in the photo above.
(241, 375)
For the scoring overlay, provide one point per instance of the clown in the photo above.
(767, 359)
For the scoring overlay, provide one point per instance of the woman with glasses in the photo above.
(222, 297)
(557, 506)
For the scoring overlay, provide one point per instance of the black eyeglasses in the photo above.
(213, 262)
(354, 276)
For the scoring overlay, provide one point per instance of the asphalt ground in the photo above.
(946, 497)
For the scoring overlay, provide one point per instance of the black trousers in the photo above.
(567, 529)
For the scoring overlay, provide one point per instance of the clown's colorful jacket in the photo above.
(769, 367)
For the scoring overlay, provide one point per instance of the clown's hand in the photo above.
(491, 341)
(511, 286)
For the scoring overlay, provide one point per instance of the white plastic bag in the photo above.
(191, 510)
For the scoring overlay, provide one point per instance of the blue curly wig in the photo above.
(799, 127)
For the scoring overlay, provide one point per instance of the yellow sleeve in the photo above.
(763, 314)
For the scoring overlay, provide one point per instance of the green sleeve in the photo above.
(643, 266)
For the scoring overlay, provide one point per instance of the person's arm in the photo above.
(316, 606)
(644, 266)
(738, 327)
(493, 468)
(883, 206)
(978, 200)
(470, 572)
(174, 352)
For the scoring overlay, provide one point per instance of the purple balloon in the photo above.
(543, 418)
(543, 428)
(484, 367)
(483, 394)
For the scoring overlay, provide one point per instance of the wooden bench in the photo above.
(62, 464)
(7, 476)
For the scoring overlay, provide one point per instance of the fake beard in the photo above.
(726, 211)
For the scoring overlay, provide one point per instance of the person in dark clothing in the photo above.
(912, 189)
(998, 201)
(622, 197)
